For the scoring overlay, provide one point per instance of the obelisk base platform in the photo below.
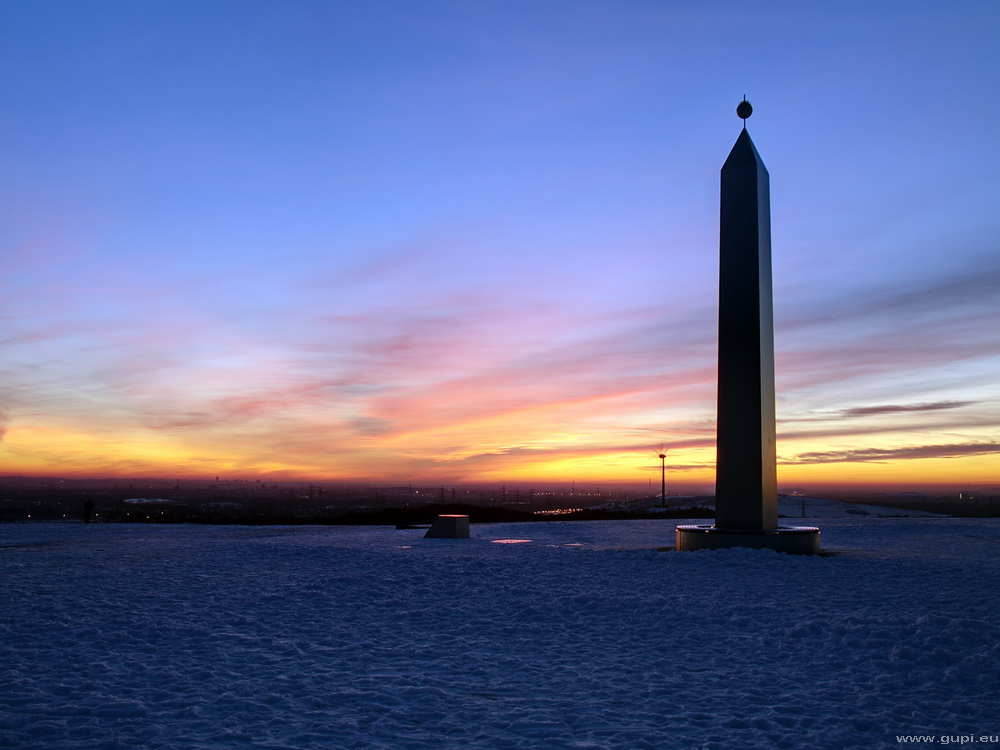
(795, 540)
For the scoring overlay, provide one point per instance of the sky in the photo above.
(477, 240)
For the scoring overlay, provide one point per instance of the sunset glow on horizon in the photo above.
(478, 242)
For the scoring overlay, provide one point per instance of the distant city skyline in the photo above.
(478, 242)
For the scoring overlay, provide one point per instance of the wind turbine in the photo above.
(663, 477)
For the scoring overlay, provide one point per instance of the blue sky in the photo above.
(294, 238)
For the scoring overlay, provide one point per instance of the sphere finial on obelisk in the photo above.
(744, 110)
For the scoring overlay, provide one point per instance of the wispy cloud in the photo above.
(870, 411)
(878, 455)
(937, 321)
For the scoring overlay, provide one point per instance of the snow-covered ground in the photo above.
(795, 506)
(569, 635)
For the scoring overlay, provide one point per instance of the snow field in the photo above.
(586, 636)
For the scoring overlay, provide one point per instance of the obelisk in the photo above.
(746, 501)
(745, 475)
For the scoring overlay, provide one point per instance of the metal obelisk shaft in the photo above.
(746, 483)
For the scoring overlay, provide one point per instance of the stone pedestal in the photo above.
(449, 527)
(795, 540)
